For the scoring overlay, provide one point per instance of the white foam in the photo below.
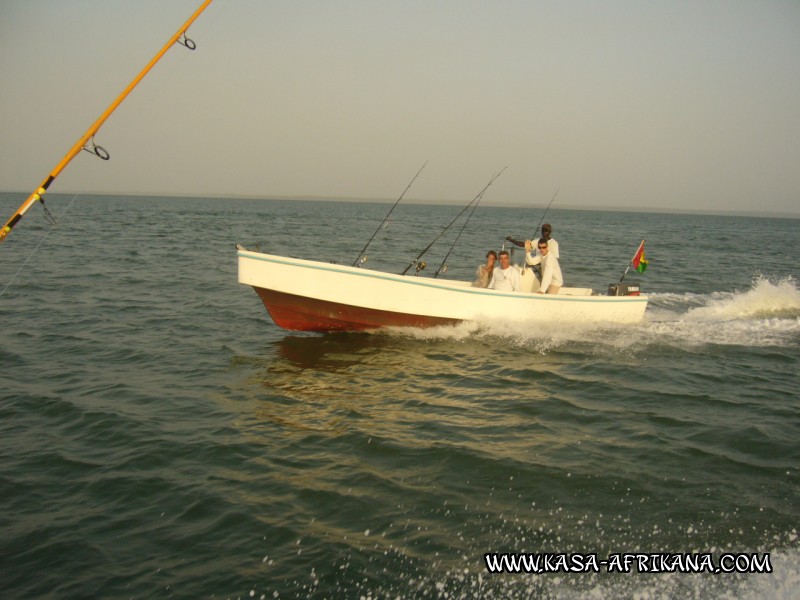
(767, 314)
(764, 299)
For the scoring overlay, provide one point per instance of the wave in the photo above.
(764, 299)
(767, 314)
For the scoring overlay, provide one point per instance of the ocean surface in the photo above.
(160, 437)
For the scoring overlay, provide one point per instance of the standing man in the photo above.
(552, 244)
(505, 277)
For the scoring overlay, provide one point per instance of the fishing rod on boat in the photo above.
(361, 258)
(86, 142)
(422, 265)
(538, 227)
(464, 226)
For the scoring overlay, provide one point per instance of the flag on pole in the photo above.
(639, 262)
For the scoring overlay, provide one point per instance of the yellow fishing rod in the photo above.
(86, 142)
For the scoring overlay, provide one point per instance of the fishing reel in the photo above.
(362, 258)
(420, 265)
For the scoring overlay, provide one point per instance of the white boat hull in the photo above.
(316, 296)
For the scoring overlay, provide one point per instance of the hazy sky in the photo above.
(659, 104)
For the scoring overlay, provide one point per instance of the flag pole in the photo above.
(630, 263)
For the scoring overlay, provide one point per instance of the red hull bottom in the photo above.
(308, 314)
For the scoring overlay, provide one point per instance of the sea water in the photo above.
(161, 437)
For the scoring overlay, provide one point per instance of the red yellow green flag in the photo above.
(639, 262)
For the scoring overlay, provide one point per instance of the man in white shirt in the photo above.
(552, 244)
(552, 280)
(505, 277)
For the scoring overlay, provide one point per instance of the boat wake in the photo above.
(767, 314)
(764, 299)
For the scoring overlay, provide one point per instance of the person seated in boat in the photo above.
(505, 277)
(552, 244)
(484, 272)
(552, 280)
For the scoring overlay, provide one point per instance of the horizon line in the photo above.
(427, 201)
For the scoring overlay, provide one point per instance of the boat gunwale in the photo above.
(426, 282)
